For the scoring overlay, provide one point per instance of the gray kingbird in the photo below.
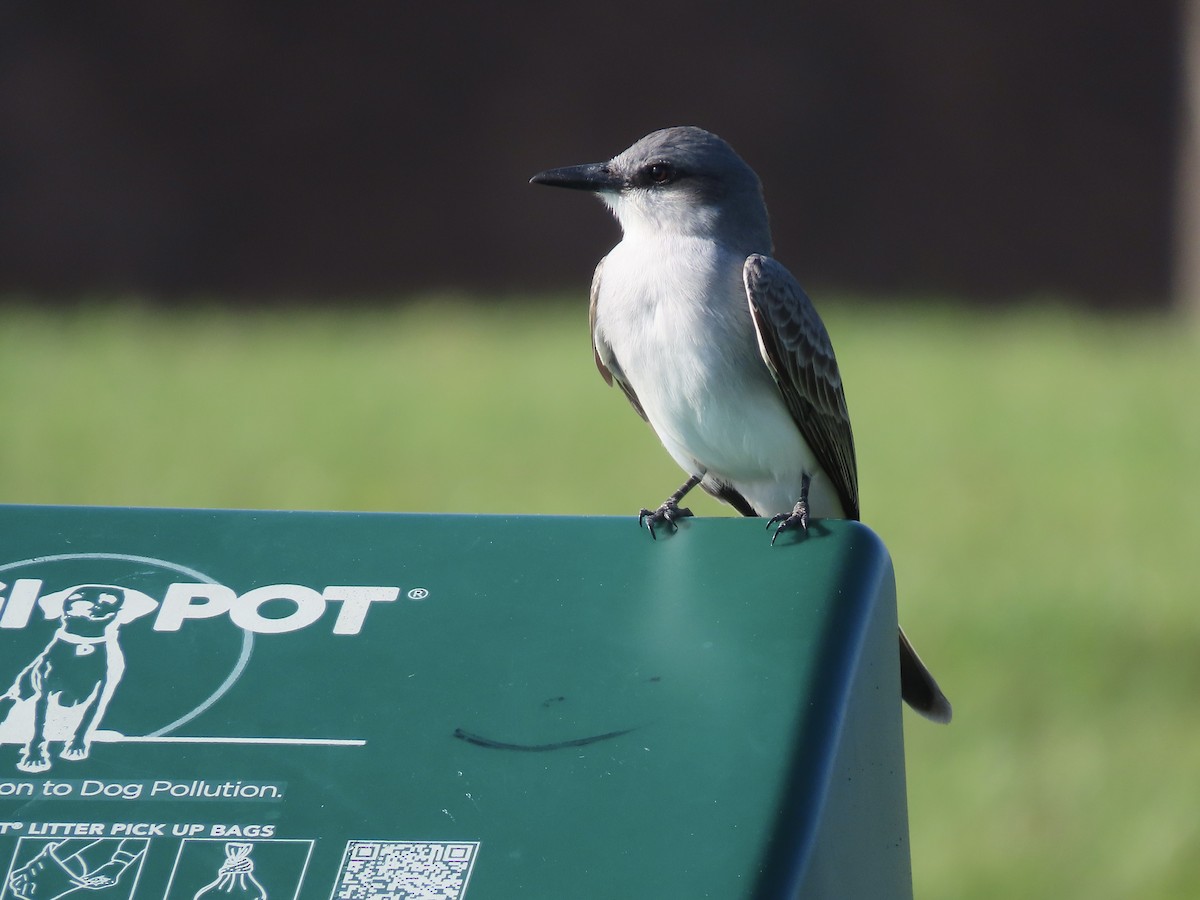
(717, 346)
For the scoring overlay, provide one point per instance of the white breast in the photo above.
(675, 314)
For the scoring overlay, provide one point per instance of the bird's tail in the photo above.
(918, 687)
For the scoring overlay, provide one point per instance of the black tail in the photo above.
(918, 688)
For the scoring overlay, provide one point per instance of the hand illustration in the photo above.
(62, 867)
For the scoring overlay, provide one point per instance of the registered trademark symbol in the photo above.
(418, 594)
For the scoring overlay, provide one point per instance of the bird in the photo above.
(715, 344)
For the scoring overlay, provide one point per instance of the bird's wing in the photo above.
(796, 348)
(606, 361)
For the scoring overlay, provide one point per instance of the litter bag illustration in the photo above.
(235, 880)
(210, 869)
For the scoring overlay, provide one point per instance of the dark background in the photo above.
(987, 150)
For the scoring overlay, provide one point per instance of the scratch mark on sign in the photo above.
(481, 741)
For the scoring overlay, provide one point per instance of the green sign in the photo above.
(331, 706)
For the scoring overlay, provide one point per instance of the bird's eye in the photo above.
(660, 173)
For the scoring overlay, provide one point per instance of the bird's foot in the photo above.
(667, 514)
(797, 518)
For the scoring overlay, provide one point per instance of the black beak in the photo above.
(591, 177)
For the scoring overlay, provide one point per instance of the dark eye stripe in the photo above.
(661, 172)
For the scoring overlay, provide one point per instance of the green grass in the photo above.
(1036, 475)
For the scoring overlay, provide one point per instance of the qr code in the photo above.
(405, 870)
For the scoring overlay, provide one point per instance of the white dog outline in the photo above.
(81, 666)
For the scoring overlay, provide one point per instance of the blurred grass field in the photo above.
(1035, 474)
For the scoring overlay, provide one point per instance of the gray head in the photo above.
(681, 180)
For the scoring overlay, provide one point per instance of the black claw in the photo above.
(645, 515)
(664, 515)
(797, 518)
(670, 509)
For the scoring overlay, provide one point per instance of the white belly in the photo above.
(678, 323)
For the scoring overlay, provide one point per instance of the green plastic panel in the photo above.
(278, 705)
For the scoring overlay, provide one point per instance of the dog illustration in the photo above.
(76, 675)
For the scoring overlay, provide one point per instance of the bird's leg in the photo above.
(798, 517)
(669, 511)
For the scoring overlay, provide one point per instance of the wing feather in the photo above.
(796, 348)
